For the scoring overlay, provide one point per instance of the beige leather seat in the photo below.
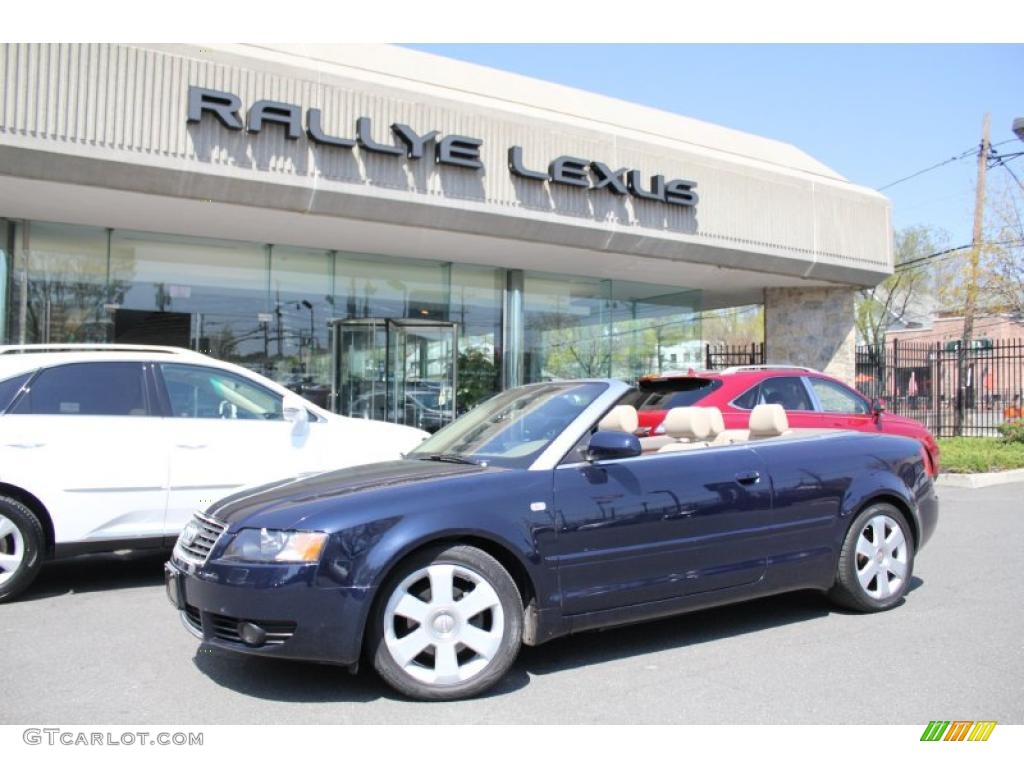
(621, 418)
(768, 420)
(716, 421)
(689, 427)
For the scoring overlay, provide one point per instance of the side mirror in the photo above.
(604, 446)
(293, 408)
(877, 407)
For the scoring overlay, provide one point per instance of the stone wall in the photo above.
(813, 327)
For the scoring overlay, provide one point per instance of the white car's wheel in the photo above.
(448, 624)
(876, 561)
(21, 547)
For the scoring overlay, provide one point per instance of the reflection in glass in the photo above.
(566, 327)
(62, 281)
(580, 327)
(476, 295)
(218, 287)
(654, 329)
(301, 304)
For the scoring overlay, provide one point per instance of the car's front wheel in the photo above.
(876, 561)
(448, 624)
(21, 547)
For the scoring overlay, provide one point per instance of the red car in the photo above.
(811, 399)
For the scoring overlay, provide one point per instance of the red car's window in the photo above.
(787, 391)
(665, 394)
(838, 399)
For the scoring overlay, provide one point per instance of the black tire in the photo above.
(848, 591)
(33, 540)
(468, 560)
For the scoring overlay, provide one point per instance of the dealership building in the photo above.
(395, 233)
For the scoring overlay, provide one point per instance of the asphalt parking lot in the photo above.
(95, 641)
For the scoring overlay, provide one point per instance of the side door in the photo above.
(87, 440)
(226, 432)
(659, 526)
(809, 479)
(841, 408)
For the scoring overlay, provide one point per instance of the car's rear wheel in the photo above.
(448, 624)
(21, 547)
(876, 561)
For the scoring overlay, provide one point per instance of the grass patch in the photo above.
(979, 454)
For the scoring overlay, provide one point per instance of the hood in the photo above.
(286, 503)
(902, 425)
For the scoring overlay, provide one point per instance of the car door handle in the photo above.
(190, 446)
(679, 514)
(25, 445)
(748, 478)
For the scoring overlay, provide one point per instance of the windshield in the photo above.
(512, 428)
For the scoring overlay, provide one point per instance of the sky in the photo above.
(873, 113)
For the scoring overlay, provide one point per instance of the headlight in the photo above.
(265, 545)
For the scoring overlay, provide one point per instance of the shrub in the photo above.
(1012, 431)
(980, 454)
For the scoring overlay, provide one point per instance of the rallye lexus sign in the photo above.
(450, 150)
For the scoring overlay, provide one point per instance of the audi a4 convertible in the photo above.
(540, 514)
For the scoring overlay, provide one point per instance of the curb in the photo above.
(981, 479)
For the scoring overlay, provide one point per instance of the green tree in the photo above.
(478, 378)
(1004, 256)
(735, 326)
(891, 300)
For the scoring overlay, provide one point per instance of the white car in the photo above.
(108, 447)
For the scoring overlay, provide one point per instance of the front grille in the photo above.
(197, 539)
(226, 628)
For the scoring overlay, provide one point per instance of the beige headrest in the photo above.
(621, 418)
(717, 422)
(687, 423)
(768, 420)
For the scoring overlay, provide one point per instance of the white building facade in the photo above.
(388, 229)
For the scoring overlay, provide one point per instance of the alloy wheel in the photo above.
(443, 624)
(12, 549)
(882, 557)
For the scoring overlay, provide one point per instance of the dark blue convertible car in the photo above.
(540, 514)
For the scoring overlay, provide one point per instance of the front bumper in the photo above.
(297, 617)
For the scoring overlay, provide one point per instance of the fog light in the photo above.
(251, 634)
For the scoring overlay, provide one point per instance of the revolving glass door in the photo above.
(402, 371)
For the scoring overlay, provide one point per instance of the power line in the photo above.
(961, 156)
(1002, 162)
(904, 265)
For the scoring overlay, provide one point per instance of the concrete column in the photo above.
(813, 327)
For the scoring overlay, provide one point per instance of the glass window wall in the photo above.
(270, 308)
(578, 327)
(60, 287)
(653, 330)
(302, 303)
(476, 296)
(209, 295)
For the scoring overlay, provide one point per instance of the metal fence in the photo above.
(719, 356)
(922, 381)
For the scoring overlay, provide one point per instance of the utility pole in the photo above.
(972, 282)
